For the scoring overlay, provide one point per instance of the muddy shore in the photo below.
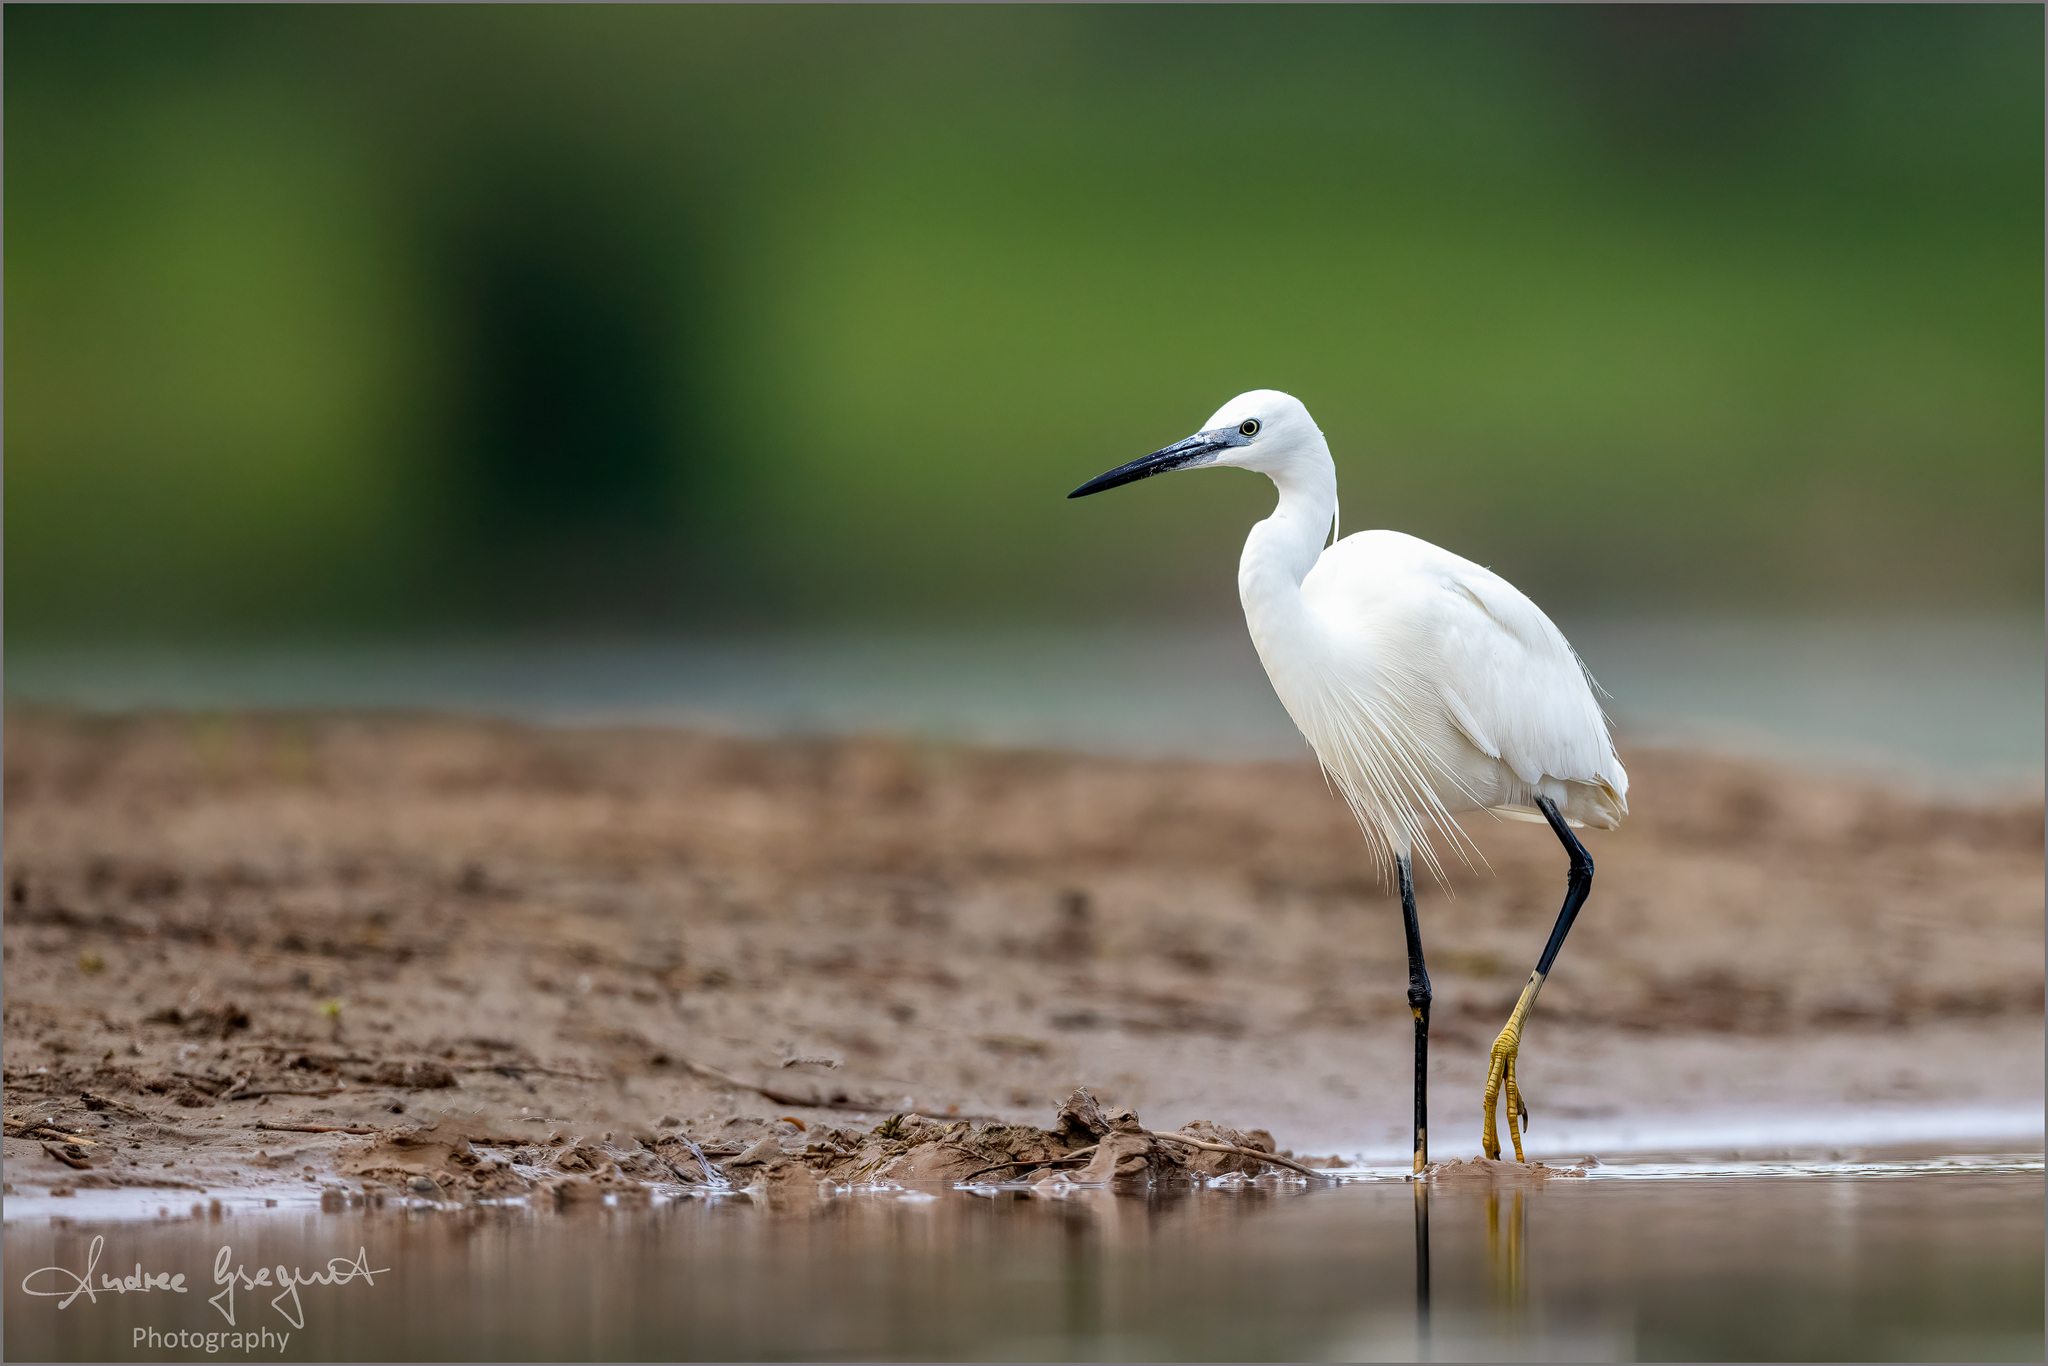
(231, 941)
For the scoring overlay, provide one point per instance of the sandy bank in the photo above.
(354, 921)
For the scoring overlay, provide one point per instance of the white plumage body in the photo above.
(1430, 686)
(1427, 685)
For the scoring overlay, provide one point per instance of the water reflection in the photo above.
(1946, 1262)
(1507, 1330)
(1422, 1267)
(1504, 1255)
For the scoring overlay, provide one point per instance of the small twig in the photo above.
(811, 1102)
(1241, 1152)
(17, 1127)
(236, 1089)
(503, 1067)
(309, 1057)
(313, 1128)
(770, 1093)
(66, 1158)
(214, 1085)
(1074, 1156)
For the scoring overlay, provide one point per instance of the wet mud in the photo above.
(455, 959)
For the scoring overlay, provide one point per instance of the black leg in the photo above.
(1418, 1006)
(1579, 882)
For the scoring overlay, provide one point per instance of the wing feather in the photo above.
(1497, 669)
(1513, 671)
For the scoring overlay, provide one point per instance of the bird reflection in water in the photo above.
(1422, 1266)
(1506, 1259)
(1504, 1252)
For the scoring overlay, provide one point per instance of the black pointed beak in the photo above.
(1199, 449)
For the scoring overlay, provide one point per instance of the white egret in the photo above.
(1427, 686)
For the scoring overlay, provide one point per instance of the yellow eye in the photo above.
(1250, 426)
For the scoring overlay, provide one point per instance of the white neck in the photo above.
(1282, 549)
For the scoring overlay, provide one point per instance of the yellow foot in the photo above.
(1500, 1075)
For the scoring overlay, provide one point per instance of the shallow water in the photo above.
(1823, 1258)
(1952, 701)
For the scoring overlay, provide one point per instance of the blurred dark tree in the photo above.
(580, 413)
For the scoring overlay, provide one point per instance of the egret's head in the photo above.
(1262, 430)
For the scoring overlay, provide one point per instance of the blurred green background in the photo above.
(386, 320)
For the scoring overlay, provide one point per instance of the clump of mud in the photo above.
(1086, 1144)
(1495, 1170)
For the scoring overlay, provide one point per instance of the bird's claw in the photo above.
(1500, 1076)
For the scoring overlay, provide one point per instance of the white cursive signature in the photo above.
(340, 1271)
(142, 1281)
